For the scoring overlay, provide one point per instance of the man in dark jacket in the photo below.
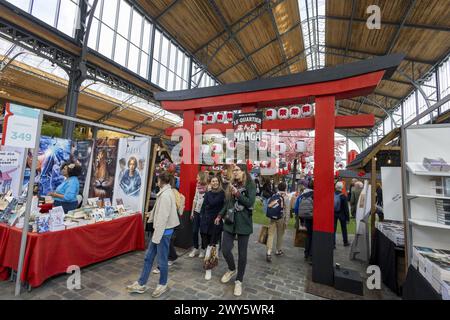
(341, 212)
(268, 190)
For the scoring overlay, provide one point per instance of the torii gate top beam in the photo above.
(342, 81)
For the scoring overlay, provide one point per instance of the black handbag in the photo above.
(229, 216)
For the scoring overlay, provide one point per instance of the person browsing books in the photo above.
(66, 193)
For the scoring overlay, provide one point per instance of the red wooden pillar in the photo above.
(323, 216)
(189, 170)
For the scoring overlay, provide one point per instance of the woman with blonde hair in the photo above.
(200, 190)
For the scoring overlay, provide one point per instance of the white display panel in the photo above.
(391, 178)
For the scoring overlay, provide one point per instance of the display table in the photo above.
(390, 258)
(416, 287)
(50, 254)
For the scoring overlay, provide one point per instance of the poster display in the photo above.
(53, 152)
(391, 178)
(103, 168)
(11, 166)
(131, 172)
(81, 154)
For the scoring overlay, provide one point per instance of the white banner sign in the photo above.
(21, 126)
(9, 159)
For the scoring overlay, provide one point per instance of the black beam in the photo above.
(394, 24)
(277, 32)
(232, 36)
(257, 50)
(349, 30)
(399, 29)
(170, 6)
(429, 62)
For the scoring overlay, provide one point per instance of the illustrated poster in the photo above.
(131, 172)
(10, 171)
(104, 168)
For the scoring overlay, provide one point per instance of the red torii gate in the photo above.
(325, 86)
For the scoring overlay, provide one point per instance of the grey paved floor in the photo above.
(284, 278)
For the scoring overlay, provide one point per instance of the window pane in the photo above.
(165, 51)
(136, 30)
(124, 19)
(93, 34)
(106, 41)
(22, 4)
(186, 68)
(162, 77)
(45, 10)
(180, 63)
(171, 81)
(146, 38)
(144, 65)
(179, 84)
(97, 9)
(133, 58)
(155, 72)
(109, 13)
(173, 57)
(120, 55)
(157, 45)
(67, 17)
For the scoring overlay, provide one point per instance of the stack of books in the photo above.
(443, 211)
(434, 265)
(394, 231)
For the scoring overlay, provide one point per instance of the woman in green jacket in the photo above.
(237, 215)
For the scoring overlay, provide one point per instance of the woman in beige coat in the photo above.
(164, 217)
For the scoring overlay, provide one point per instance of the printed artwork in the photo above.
(10, 173)
(131, 171)
(104, 168)
(81, 154)
(53, 152)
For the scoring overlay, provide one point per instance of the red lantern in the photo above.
(294, 112)
(283, 113)
(307, 110)
(220, 118)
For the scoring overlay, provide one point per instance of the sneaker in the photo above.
(170, 263)
(136, 288)
(202, 254)
(156, 271)
(238, 288)
(160, 289)
(268, 258)
(346, 244)
(227, 276)
(208, 275)
(193, 253)
(279, 253)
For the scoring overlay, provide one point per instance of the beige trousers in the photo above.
(278, 227)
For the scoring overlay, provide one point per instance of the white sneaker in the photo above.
(159, 290)
(193, 253)
(208, 275)
(156, 271)
(170, 263)
(227, 276)
(136, 288)
(238, 288)
(202, 254)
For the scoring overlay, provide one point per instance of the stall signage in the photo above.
(247, 126)
(9, 159)
(21, 126)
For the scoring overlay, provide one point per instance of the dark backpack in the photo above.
(306, 207)
(275, 212)
(337, 202)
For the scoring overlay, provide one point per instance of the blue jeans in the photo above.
(196, 230)
(343, 222)
(161, 251)
(265, 204)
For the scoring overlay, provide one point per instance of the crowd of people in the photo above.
(222, 212)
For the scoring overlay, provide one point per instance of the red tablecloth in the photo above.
(49, 254)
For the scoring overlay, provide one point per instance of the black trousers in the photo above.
(343, 222)
(309, 234)
(227, 247)
(209, 240)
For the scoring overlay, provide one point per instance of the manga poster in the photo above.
(53, 152)
(132, 167)
(81, 154)
(104, 168)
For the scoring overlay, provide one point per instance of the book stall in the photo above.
(426, 193)
(38, 239)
